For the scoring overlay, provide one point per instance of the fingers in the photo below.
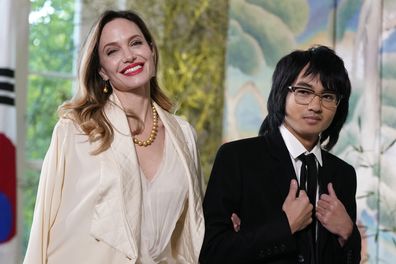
(320, 215)
(302, 195)
(321, 207)
(327, 201)
(308, 209)
(236, 222)
(331, 190)
(307, 220)
(326, 198)
(298, 209)
(292, 190)
(304, 200)
(321, 210)
(307, 212)
(235, 219)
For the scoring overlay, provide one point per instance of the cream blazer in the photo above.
(88, 207)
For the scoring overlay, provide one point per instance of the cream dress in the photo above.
(163, 201)
(89, 207)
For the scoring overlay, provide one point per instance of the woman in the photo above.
(121, 181)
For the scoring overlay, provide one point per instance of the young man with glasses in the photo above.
(291, 201)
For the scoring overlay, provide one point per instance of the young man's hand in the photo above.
(298, 209)
(331, 213)
(236, 222)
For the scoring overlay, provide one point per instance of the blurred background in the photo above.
(216, 62)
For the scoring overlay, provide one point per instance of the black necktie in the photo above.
(309, 182)
(309, 176)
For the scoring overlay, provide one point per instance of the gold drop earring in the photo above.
(106, 88)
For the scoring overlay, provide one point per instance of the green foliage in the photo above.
(29, 186)
(191, 36)
(50, 50)
(44, 96)
(51, 36)
(193, 51)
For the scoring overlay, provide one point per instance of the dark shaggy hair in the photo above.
(320, 61)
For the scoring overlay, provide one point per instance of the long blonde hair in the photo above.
(86, 108)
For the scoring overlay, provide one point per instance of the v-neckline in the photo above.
(157, 172)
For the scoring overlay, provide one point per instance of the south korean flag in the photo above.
(7, 157)
(8, 190)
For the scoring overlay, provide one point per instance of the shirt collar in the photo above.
(296, 148)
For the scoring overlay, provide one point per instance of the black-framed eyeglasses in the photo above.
(304, 96)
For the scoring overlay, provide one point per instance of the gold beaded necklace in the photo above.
(153, 134)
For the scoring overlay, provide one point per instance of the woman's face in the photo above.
(126, 58)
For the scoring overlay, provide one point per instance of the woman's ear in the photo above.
(153, 51)
(103, 74)
(154, 57)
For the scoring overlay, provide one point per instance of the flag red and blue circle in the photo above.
(7, 189)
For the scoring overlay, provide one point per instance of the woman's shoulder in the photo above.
(181, 120)
(68, 137)
(185, 125)
(66, 126)
(66, 123)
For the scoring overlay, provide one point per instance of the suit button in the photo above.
(276, 250)
(300, 258)
(349, 256)
(269, 252)
(283, 248)
(261, 254)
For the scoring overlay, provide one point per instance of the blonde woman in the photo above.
(121, 181)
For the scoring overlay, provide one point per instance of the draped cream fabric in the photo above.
(88, 208)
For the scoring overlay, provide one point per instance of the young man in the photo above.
(261, 181)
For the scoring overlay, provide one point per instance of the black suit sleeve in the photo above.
(227, 193)
(352, 247)
(345, 188)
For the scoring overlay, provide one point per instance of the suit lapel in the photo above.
(325, 177)
(176, 134)
(117, 217)
(284, 170)
(194, 214)
(282, 167)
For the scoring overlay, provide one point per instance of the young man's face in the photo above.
(307, 121)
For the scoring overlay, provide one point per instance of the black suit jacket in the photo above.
(251, 177)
